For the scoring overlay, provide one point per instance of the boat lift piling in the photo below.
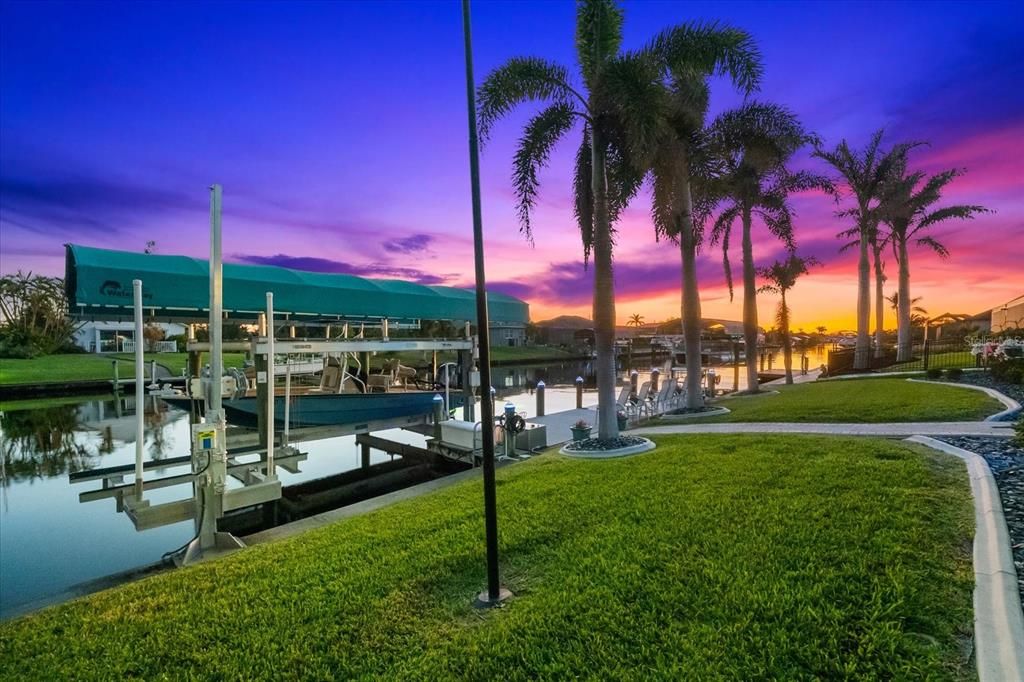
(140, 390)
(268, 378)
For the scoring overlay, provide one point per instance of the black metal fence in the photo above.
(931, 355)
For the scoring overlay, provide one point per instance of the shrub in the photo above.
(1008, 370)
(33, 315)
(934, 373)
(954, 374)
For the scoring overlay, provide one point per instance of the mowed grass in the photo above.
(712, 557)
(860, 401)
(91, 366)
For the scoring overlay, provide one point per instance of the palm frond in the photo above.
(539, 137)
(632, 95)
(583, 194)
(960, 212)
(711, 49)
(934, 245)
(520, 80)
(598, 36)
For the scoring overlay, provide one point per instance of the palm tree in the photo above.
(781, 276)
(821, 329)
(865, 172)
(894, 303)
(636, 320)
(876, 242)
(681, 170)
(615, 109)
(907, 210)
(756, 141)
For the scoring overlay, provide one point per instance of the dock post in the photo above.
(579, 391)
(438, 405)
(540, 398)
(287, 400)
(655, 373)
(735, 366)
(365, 463)
(494, 395)
(117, 380)
(634, 381)
(152, 371)
(140, 389)
(270, 385)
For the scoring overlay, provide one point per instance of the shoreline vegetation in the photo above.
(72, 367)
(793, 555)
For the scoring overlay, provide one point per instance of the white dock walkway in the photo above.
(560, 423)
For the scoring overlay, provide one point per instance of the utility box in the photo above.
(205, 437)
(461, 435)
(534, 438)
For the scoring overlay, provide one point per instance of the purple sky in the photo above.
(338, 133)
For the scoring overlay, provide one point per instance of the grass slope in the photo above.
(730, 557)
(861, 401)
(90, 366)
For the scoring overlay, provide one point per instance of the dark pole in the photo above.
(494, 592)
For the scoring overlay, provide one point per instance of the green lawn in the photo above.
(861, 401)
(713, 557)
(88, 366)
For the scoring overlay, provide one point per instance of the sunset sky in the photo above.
(338, 131)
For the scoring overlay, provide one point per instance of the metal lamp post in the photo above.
(494, 594)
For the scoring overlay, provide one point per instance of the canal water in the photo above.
(50, 542)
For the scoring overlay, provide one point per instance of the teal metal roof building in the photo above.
(99, 285)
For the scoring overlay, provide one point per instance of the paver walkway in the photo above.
(892, 429)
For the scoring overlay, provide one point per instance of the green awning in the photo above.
(99, 282)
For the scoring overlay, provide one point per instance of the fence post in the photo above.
(924, 354)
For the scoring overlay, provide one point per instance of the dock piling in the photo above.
(140, 389)
(579, 391)
(540, 398)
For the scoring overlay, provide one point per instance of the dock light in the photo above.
(494, 594)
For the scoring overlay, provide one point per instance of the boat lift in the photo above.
(217, 453)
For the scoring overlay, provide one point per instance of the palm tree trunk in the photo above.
(749, 303)
(862, 351)
(904, 347)
(787, 343)
(604, 294)
(879, 300)
(691, 302)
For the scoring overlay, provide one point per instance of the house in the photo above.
(565, 330)
(111, 336)
(1008, 317)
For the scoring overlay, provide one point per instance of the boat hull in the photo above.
(335, 409)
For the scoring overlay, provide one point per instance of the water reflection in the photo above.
(41, 443)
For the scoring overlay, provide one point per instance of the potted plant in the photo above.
(622, 417)
(581, 430)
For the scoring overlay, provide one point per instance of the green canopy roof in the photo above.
(99, 281)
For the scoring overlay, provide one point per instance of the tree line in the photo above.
(641, 117)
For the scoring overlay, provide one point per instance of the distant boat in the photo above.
(332, 409)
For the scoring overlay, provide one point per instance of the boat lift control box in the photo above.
(206, 436)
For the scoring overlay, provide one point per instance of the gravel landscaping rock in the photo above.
(695, 410)
(1006, 460)
(592, 444)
